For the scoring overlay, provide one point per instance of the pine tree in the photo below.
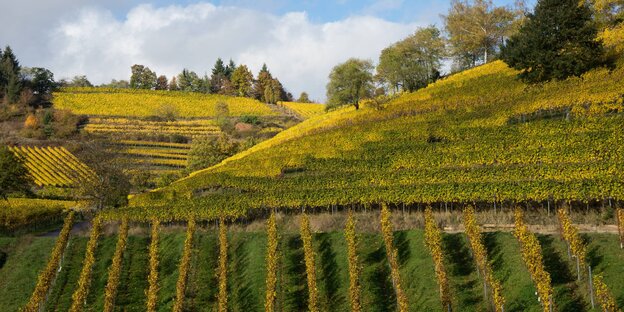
(10, 68)
(218, 76)
(229, 69)
(558, 40)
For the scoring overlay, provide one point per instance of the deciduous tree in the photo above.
(350, 82)
(476, 28)
(413, 62)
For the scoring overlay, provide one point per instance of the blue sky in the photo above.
(300, 41)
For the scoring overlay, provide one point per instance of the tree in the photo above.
(187, 80)
(264, 82)
(609, 12)
(414, 62)
(229, 69)
(12, 83)
(304, 98)
(161, 83)
(142, 77)
(476, 28)
(110, 185)
(273, 92)
(14, 177)
(173, 84)
(208, 151)
(350, 82)
(218, 76)
(558, 40)
(41, 80)
(80, 81)
(242, 81)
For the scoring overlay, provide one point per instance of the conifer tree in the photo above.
(558, 40)
(11, 85)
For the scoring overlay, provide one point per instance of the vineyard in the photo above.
(476, 136)
(135, 127)
(145, 103)
(304, 110)
(211, 266)
(157, 157)
(52, 166)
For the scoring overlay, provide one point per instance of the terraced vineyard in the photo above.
(158, 157)
(135, 127)
(52, 166)
(145, 103)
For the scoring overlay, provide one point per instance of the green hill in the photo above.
(477, 136)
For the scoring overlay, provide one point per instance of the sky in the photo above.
(300, 41)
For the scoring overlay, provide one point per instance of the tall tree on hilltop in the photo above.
(161, 83)
(476, 28)
(173, 84)
(218, 76)
(263, 82)
(10, 68)
(142, 77)
(350, 82)
(229, 69)
(414, 62)
(558, 40)
(304, 98)
(242, 81)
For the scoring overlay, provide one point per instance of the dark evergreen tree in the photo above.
(10, 68)
(218, 76)
(229, 69)
(558, 40)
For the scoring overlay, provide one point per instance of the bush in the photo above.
(166, 112)
(250, 119)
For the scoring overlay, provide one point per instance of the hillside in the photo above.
(477, 136)
(153, 130)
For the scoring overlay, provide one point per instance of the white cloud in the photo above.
(299, 52)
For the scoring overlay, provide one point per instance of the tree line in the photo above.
(31, 86)
(225, 79)
(559, 39)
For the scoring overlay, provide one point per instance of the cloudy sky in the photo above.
(300, 41)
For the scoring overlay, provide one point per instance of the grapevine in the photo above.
(604, 296)
(152, 291)
(222, 270)
(46, 277)
(433, 240)
(473, 231)
(114, 271)
(392, 254)
(354, 263)
(185, 263)
(308, 250)
(573, 239)
(79, 297)
(532, 255)
(271, 264)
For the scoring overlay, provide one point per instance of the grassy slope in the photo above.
(27, 256)
(247, 272)
(477, 135)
